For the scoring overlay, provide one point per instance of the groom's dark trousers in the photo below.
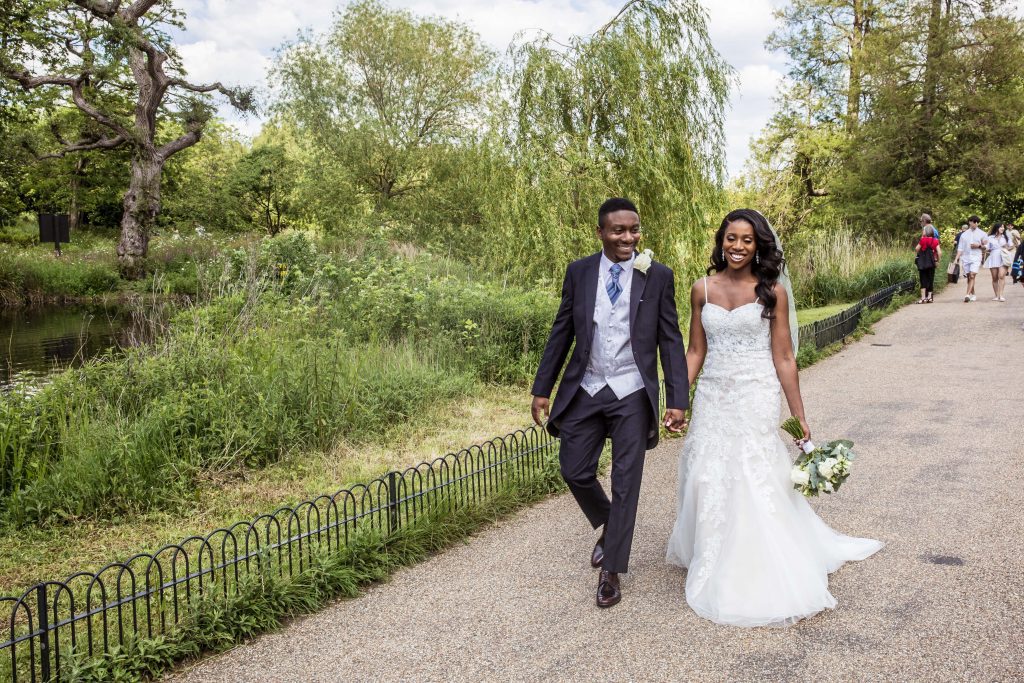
(583, 422)
(588, 421)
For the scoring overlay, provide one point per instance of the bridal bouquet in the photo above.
(818, 469)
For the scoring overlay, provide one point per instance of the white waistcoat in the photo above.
(611, 353)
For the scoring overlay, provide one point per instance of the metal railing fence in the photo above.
(88, 614)
(828, 331)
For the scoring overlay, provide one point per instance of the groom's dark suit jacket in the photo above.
(653, 325)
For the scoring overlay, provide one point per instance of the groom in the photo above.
(619, 308)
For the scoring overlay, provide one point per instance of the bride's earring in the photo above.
(723, 253)
(757, 258)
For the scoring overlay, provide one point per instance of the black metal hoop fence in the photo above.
(145, 596)
(836, 328)
(88, 614)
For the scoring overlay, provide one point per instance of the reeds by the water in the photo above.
(838, 266)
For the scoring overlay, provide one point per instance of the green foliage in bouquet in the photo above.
(793, 428)
(819, 469)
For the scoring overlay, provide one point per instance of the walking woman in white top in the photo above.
(993, 247)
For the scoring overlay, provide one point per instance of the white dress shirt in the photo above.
(611, 352)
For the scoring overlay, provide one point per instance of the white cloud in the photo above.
(206, 61)
(738, 30)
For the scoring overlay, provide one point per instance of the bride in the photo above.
(757, 553)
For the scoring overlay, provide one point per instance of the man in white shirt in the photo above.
(969, 254)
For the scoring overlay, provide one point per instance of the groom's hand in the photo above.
(674, 420)
(539, 407)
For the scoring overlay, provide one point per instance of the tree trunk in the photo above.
(857, 35)
(141, 206)
(74, 212)
(931, 86)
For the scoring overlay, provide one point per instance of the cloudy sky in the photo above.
(234, 41)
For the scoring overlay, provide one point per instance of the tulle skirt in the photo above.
(756, 552)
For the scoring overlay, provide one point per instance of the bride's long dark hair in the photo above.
(768, 265)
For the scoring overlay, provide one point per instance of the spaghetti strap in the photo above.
(705, 279)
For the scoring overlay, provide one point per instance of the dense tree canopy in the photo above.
(409, 129)
(381, 92)
(891, 108)
(635, 109)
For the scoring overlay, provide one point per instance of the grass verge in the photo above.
(263, 600)
(36, 553)
(808, 355)
(806, 316)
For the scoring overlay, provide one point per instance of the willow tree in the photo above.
(116, 64)
(635, 109)
(380, 92)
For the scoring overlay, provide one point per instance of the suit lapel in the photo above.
(590, 288)
(636, 292)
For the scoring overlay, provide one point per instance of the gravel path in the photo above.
(938, 480)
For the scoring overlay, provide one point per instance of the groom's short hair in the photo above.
(612, 205)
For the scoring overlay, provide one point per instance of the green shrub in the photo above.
(130, 433)
(36, 275)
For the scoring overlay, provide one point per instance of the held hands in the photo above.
(674, 420)
(540, 406)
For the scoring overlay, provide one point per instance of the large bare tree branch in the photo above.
(183, 142)
(29, 82)
(240, 99)
(138, 8)
(85, 145)
(78, 96)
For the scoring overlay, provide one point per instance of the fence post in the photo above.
(44, 631)
(392, 502)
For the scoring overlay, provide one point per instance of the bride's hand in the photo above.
(807, 430)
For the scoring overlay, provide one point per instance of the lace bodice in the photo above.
(737, 338)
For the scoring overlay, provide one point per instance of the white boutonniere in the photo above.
(643, 261)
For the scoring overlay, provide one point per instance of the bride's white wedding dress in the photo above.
(757, 553)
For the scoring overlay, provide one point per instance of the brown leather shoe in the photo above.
(608, 592)
(597, 557)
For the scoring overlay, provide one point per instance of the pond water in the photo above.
(38, 340)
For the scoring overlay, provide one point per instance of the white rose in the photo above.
(644, 260)
(828, 487)
(825, 470)
(799, 477)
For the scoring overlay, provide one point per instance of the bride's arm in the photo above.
(785, 362)
(698, 346)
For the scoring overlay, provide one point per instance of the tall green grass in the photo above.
(837, 266)
(293, 350)
(37, 275)
(133, 433)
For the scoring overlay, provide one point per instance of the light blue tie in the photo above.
(613, 287)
